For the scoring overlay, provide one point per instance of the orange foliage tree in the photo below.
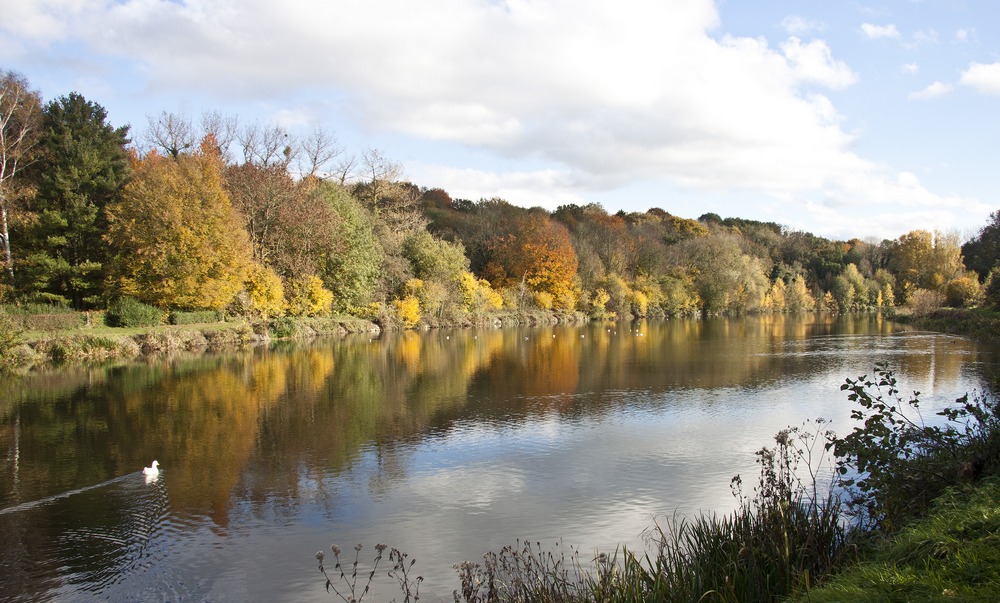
(175, 238)
(537, 250)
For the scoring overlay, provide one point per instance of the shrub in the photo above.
(408, 310)
(179, 317)
(991, 289)
(893, 465)
(962, 292)
(478, 295)
(130, 312)
(11, 336)
(307, 297)
(265, 293)
(282, 328)
(543, 300)
(924, 301)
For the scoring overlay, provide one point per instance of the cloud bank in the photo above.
(595, 94)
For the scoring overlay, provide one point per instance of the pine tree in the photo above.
(83, 167)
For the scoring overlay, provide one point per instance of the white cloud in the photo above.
(814, 62)
(595, 95)
(911, 68)
(984, 78)
(966, 35)
(924, 36)
(932, 91)
(797, 25)
(874, 32)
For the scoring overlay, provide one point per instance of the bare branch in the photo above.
(318, 150)
(171, 132)
(223, 127)
(266, 144)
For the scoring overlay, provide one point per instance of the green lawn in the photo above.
(951, 555)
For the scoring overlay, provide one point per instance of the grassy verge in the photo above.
(28, 340)
(978, 323)
(951, 555)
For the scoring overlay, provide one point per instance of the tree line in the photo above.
(246, 218)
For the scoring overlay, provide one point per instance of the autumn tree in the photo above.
(177, 241)
(20, 114)
(726, 279)
(922, 260)
(536, 251)
(84, 165)
(289, 226)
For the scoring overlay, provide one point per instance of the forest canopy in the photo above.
(248, 219)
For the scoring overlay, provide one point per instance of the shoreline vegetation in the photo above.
(35, 336)
(30, 340)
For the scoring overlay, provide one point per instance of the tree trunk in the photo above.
(5, 234)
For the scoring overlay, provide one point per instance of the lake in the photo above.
(445, 444)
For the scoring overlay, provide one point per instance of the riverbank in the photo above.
(951, 555)
(978, 323)
(32, 340)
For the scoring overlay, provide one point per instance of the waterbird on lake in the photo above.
(152, 470)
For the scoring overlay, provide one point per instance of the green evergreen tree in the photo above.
(83, 168)
(982, 253)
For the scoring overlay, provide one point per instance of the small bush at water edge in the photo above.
(129, 312)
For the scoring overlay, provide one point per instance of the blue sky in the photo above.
(844, 119)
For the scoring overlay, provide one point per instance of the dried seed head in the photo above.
(320, 555)
(335, 549)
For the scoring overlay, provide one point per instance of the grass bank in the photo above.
(30, 340)
(35, 336)
(978, 323)
(953, 554)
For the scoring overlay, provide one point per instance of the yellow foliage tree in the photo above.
(478, 295)
(266, 293)
(307, 296)
(408, 310)
(543, 299)
(175, 238)
(774, 300)
(599, 304)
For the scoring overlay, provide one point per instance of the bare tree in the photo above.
(346, 168)
(319, 149)
(266, 144)
(20, 115)
(171, 132)
(380, 174)
(223, 127)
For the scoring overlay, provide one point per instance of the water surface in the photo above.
(444, 444)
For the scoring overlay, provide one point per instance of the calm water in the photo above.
(443, 444)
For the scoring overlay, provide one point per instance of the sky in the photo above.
(845, 119)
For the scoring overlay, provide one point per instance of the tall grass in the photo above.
(778, 540)
(772, 546)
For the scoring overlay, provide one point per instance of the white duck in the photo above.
(153, 470)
